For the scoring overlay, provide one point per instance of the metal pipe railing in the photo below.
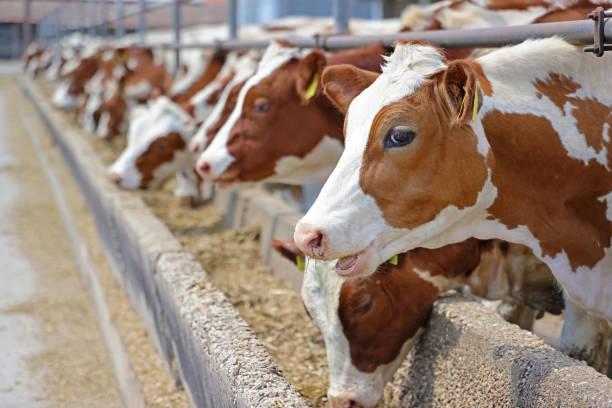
(176, 25)
(119, 32)
(578, 32)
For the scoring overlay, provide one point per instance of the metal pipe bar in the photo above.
(119, 21)
(104, 22)
(176, 20)
(92, 17)
(232, 18)
(142, 20)
(27, 28)
(576, 32)
(341, 10)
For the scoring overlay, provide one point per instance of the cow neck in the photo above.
(212, 69)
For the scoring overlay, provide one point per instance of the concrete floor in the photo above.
(50, 349)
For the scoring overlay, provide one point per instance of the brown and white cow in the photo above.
(283, 128)
(369, 324)
(513, 145)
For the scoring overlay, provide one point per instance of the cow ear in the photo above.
(342, 83)
(308, 75)
(459, 88)
(287, 249)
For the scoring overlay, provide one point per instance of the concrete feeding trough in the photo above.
(468, 355)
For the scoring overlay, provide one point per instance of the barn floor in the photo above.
(51, 350)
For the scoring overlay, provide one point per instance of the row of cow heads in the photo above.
(283, 128)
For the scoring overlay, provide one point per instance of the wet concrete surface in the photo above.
(51, 352)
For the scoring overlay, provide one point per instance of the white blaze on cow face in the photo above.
(154, 147)
(217, 155)
(244, 68)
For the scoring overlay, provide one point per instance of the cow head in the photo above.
(157, 146)
(368, 324)
(276, 132)
(413, 164)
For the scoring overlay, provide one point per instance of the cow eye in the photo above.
(160, 146)
(399, 136)
(364, 306)
(261, 105)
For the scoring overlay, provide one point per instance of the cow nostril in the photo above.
(316, 242)
(353, 404)
(204, 169)
(115, 177)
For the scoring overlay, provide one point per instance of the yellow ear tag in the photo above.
(301, 263)
(120, 57)
(394, 260)
(312, 88)
(475, 107)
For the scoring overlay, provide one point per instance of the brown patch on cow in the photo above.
(576, 11)
(381, 312)
(159, 152)
(451, 261)
(591, 115)
(515, 4)
(557, 197)
(441, 167)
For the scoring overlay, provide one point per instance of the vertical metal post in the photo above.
(57, 27)
(104, 28)
(142, 20)
(232, 18)
(342, 11)
(80, 16)
(92, 17)
(27, 29)
(177, 34)
(119, 21)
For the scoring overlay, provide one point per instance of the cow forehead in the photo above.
(404, 72)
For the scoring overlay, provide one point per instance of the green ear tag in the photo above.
(301, 263)
(312, 88)
(394, 260)
(475, 110)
